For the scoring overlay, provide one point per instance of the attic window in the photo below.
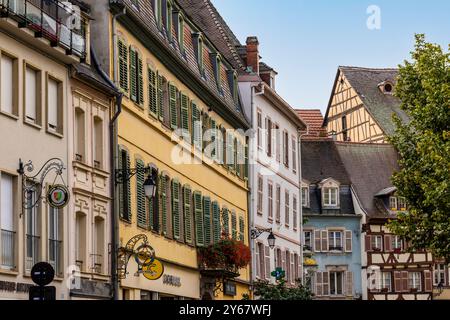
(386, 87)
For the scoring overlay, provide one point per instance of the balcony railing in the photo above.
(57, 21)
(55, 255)
(33, 243)
(7, 258)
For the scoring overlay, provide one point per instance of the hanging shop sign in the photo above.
(58, 196)
(153, 270)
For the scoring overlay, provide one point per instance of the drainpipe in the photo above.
(300, 135)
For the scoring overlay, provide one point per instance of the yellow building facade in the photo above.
(176, 89)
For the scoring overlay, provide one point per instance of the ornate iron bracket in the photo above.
(139, 248)
(32, 185)
(124, 175)
(256, 232)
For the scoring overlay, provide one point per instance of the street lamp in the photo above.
(150, 183)
(256, 232)
(271, 240)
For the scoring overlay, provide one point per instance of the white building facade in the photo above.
(274, 172)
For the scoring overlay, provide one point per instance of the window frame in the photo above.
(14, 86)
(59, 131)
(37, 123)
(333, 245)
(330, 196)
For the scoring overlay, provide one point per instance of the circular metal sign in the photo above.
(58, 196)
(153, 270)
(42, 273)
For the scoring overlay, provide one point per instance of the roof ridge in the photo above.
(367, 68)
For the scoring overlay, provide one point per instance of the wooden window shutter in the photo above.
(213, 136)
(317, 241)
(283, 260)
(238, 157)
(226, 221)
(368, 243)
(241, 229)
(233, 225)
(388, 243)
(133, 75)
(398, 281)
(151, 214)
(319, 284)
(348, 240)
(163, 204)
(140, 195)
(267, 262)
(127, 191)
(326, 283)
(173, 106)
(160, 97)
(292, 271)
(230, 153)
(185, 113)
(405, 281)
(349, 283)
(152, 93)
(246, 163)
(123, 65)
(199, 229)
(216, 221)
(196, 127)
(428, 279)
(324, 244)
(140, 80)
(257, 259)
(187, 209)
(176, 219)
(207, 220)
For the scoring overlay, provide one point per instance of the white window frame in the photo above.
(260, 199)
(415, 280)
(311, 240)
(397, 242)
(270, 200)
(259, 124)
(305, 196)
(342, 273)
(393, 203)
(333, 240)
(378, 241)
(386, 281)
(329, 191)
(439, 273)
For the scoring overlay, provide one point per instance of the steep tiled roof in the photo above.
(365, 82)
(314, 120)
(370, 167)
(146, 17)
(320, 160)
(206, 16)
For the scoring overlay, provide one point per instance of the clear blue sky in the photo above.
(306, 40)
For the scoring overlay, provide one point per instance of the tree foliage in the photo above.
(424, 147)
(279, 291)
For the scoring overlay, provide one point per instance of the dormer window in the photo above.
(401, 204)
(180, 32)
(330, 196)
(168, 20)
(198, 46)
(386, 87)
(393, 203)
(305, 195)
(217, 72)
(157, 12)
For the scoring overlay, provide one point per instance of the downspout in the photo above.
(300, 135)
(250, 195)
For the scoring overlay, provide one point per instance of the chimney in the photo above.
(253, 54)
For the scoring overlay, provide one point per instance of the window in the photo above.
(80, 241)
(32, 93)
(261, 261)
(168, 20)
(396, 243)
(376, 242)
(207, 221)
(98, 142)
(7, 240)
(288, 266)
(305, 196)
(308, 240)
(336, 283)
(8, 84)
(123, 64)
(136, 77)
(32, 231)
(294, 155)
(80, 133)
(286, 148)
(393, 203)
(124, 188)
(278, 204)
(173, 106)
(260, 195)
(294, 212)
(54, 105)
(259, 136)
(181, 34)
(414, 281)
(344, 129)
(218, 74)
(386, 281)
(286, 208)
(439, 274)
(335, 240)
(200, 55)
(157, 12)
(269, 137)
(55, 248)
(401, 203)
(277, 258)
(277, 142)
(270, 201)
(99, 245)
(330, 196)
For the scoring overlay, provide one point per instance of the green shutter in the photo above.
(123, 65)
(233, 225)
(199, 230)
(226, 221)
(176, 221)
(197, 126)
(205, 128)
(246, 164)
(241, 228)
(238, 152)
(151, 213)
(140, 195)
(128, 192)
(120, 186)
(173, 106)
(187, 214)
(214, 139)
(163, 204)
(133, 75)
(219, 151)
(207, 220)
(140, 79)
(152, 93)
(184, 114)
(160, 98)
(216, 221)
